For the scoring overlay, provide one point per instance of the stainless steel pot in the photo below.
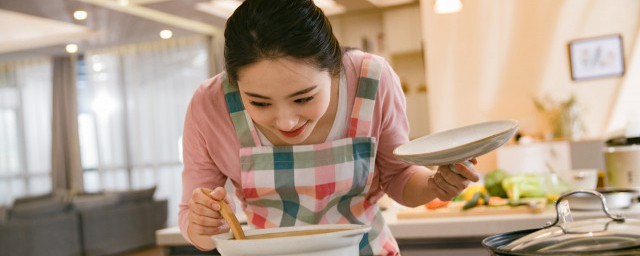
(616, 199)
(614, 235)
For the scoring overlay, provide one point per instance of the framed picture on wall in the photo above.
(596, 57)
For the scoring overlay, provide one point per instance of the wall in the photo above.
(489, 60)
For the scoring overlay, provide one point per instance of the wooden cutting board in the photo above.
(423, 212)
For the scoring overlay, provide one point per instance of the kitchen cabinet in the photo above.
(411, 71)
(560, 155)
(403, 30)
(534, 157)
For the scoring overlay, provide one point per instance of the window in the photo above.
(132, 103)
(25, 129)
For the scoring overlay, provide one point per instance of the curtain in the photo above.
(65, 164)
(133, 101)
(25, 134)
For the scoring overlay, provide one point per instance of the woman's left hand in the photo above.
(447, 184)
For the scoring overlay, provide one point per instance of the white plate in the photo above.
(457, 145)
(339, 243)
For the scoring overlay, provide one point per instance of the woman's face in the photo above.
(285, 97)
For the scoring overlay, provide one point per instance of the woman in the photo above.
(304, 130)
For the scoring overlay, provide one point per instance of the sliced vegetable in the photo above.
(498, 201)
(485, 199)
(436, 203)
(473, 202)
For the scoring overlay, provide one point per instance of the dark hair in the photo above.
(271, 29)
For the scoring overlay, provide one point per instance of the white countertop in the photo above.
(448, 227)
(486, 225)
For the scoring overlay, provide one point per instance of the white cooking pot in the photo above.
(623, 166)
(338, 243)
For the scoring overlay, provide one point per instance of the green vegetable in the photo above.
(493, 183)
(485, 198)
(524, 185)
(473, 202)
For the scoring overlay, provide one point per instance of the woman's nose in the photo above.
(286, 120)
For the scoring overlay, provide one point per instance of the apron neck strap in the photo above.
(363, 106)
(245, 131)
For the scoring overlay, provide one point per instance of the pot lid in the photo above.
(591, 235)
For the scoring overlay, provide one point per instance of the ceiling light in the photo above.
(123, 2)
(447, 6)
(166, 34)
(80, 15)
(330, 7)
(71, 48)
(220, 8)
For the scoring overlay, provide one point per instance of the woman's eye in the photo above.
(260, 104)
(304, 100)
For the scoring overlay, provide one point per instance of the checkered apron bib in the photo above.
(324, 183)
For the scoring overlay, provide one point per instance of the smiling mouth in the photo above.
(294, 133)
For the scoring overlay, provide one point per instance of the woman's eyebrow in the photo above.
(303, 91)
(255, 95)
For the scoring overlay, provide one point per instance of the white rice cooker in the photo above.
(622, 162)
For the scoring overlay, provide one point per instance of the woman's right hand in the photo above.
(204, 217)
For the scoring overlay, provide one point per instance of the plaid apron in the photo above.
(324, 183)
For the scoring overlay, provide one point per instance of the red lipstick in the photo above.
(295, 132)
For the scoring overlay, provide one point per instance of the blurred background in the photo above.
(93, 93)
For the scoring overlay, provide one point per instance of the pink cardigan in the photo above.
(211, 147)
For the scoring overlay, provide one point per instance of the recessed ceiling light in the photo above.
(166, 34)
(80, 15)
(71, 48)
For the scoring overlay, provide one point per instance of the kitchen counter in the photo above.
(443, 234)
(486, 225)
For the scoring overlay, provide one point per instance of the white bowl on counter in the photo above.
(338, 243)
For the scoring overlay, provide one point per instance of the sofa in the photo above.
(104, 223)
(45, 227)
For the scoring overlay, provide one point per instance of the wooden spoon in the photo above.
(228, 215)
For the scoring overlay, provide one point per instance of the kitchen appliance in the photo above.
(344, 242)
(622, 163)
(614, 235)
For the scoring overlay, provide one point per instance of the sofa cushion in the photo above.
(29, 199)
(39, 208)
(134, 196)
(86, 202)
